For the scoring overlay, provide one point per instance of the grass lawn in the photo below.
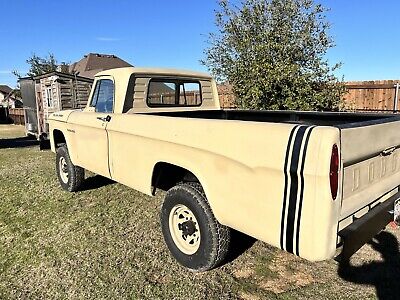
(106, 242)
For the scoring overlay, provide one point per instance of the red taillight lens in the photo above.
(334, 171)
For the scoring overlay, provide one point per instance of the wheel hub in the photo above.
(184, 229)
(188, 227)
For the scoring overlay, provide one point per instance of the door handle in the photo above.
(104, 119)
(388, 151)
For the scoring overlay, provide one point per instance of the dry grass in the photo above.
(11, 131)
(105, 242)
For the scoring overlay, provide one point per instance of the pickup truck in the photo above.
(315, 184)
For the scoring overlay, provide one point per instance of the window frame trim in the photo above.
(94, 94)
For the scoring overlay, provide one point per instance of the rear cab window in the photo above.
(173, 93)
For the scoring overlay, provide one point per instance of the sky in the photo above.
(173, 33)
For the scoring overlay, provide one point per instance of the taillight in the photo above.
(334, 171)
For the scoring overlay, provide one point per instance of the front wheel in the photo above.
(191, 232)
(69, 175)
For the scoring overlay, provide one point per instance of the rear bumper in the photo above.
(365, 228)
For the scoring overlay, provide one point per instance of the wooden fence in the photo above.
(373, 95)
(16, 115)
(226, 96)
(378, 95)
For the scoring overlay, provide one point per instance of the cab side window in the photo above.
(103, 96)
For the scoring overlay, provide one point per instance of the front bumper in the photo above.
(362, 230)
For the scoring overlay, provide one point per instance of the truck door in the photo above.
(89, 128)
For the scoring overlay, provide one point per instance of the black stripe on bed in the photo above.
(301, 189)
(294, 185)
(286, 183)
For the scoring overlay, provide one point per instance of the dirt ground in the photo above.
(105, 242)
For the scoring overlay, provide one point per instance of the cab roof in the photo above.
(152, 71)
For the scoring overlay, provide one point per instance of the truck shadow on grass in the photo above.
(95, 182)
(240, 243)
(384, 275)
(19, 142)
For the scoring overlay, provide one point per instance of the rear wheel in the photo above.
(191, 232)
(69, 175)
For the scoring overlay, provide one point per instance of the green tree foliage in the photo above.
(273, 53)
(39, 65)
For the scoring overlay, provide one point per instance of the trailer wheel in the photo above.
(69, 175)
(191, 232)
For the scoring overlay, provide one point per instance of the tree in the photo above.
(39, 65)
(273, 53)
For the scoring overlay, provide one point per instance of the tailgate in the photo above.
(371, 160)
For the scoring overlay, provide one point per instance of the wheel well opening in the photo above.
(166, 175)
(59, 138)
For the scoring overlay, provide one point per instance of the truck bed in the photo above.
(337, 119)
(369, 143)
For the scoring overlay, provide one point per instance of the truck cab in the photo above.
(136, 90)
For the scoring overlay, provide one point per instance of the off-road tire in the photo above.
(214, 238)
(76, 174)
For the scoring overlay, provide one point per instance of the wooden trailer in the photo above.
(48, 93)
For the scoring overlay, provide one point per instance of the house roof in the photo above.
(93, 63)
(5, 89)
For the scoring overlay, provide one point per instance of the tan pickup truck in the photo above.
(310, 183)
